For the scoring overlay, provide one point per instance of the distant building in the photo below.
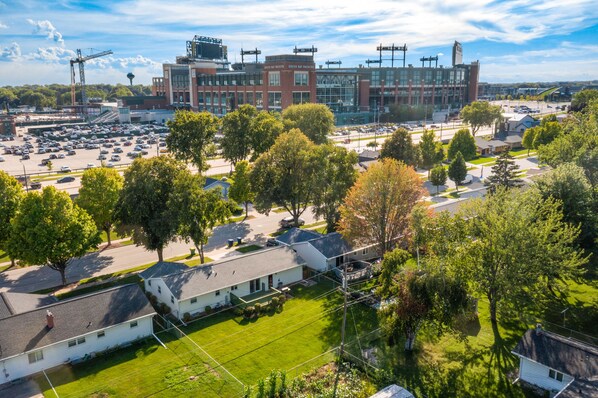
(8, 125)
(355, 95)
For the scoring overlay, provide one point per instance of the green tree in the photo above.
(422, 297)
(462, 142)
(480, 113)
(191, 137)
(316, 121)
(265, 128)
(569, 185)
(335, 175)
(240, 190)
(98, 195)
(504, 174)
(438, 176)
(529, 136)
(11, 194)
(284, 175)
(582, 99)
(457, 170)
(399, 146)
(430, 150)
(377, 207)
(49, 229)
(119, 91)
(546, 133)
(516, 248)
(142, 208)
(196, 210)
(393, 263)
(237, 133)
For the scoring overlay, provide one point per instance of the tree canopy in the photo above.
(399, 146)
(316, 121)
(265, 128)
(98, 195)
(480, 113)
(50, 230)
(335, 175)
(438, 176)
(430, 150)
(236, 142)
(284, 175)
(377, 207)
(462, 142)
(191, 137)
(457, 170)
(11, 193)
(142, 207)
(504, 174)
(240, 190)
(582, 99)
(196, 210)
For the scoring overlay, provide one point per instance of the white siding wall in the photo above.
(356, 255)
(285, 277)
(313, 258)
(537, 374)
(164, 295)
(60, 353)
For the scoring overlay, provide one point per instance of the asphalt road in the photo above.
(112, 260)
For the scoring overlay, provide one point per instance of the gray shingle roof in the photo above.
(15, 303)
(296, 235)
(163, 268)
(72, 318)
(226, 273)
(568, 356)
(331, 245)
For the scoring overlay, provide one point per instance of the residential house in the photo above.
(330, 251)
(514, 141)
(518, 122)
(259, 273)
(296, 235)
(490, 147)
(566, 368)
(366, 158)
(38, 333)
(222, 184)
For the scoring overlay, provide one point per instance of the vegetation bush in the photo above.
(248, 312)
(274, 303)
(164, 309)
(207, 309)
(186, 317)
(258, 309)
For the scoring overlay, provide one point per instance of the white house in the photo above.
(329, 251)
(518, 122)
(49, 335)
(393, 391)
(296, 235)
(257, 273)
(565, 367)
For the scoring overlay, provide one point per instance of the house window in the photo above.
(101, 334)
(301, 79)
(81, 340)
(553, 374)
(159, 289)
(364, 251)
(300, 97)
(217, 292)
(194, 300)
(172, 299)
(72, 343)
(234, 287)
(149, 282)
(133, 324)
(274, 79)
(274, 99)
(36, 356)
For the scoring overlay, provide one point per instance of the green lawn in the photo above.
(482, 160)
(521, 152)
(247, 249)
(3, 257)
(308, 326)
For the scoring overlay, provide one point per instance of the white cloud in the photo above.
(3, 26)
(46, 28)
(11, 53)
(52, 54)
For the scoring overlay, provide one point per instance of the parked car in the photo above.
(115, 158)
(289, 222)
(65, 169)
(102, 157)
(25, 157)
(1, 159)
(468, 179)
(65, 179)
(90, 165)
(272, 242)
(35, 185)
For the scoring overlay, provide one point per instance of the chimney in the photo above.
(49, 319)
(538, 329)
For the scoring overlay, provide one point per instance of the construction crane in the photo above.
(80, 59)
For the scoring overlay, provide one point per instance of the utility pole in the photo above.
(25, 173)
(340, 355)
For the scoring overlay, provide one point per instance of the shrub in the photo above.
(237, 311)
(186, 317)
(164, 309)
(207, 309)
(258, 309)
(274, 303)
(248, 312)
(282, 298)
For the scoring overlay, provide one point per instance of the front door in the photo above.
(270, 281)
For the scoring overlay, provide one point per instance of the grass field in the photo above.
(482, 160)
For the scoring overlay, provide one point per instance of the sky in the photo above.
(515, 41)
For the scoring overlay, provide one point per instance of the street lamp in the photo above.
(25, 173)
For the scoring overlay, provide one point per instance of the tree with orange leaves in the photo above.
(378, 207)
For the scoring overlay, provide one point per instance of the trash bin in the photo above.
(239, 240)
(231, 242)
